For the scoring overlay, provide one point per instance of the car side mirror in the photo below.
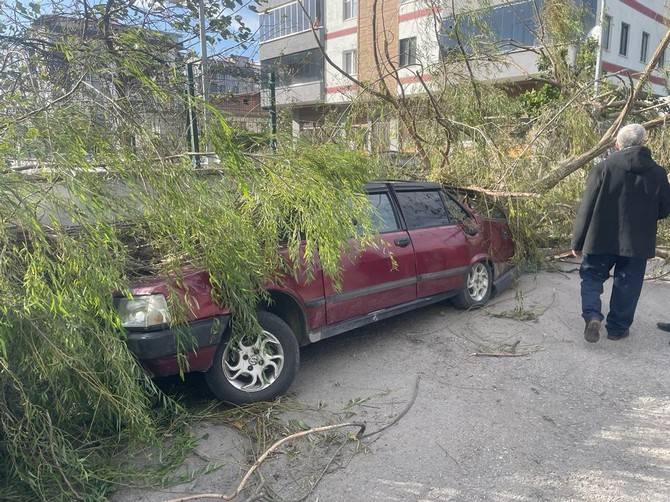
(470, 226)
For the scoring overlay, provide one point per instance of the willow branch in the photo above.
(47, 106)
(570, 165)
(263, 458)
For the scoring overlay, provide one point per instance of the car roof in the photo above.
(402, 185)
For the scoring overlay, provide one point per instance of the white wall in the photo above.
(338, 87)
(623, 11)
(416, 19)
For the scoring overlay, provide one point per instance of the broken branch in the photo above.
(570, 165)
(400, 415)
(499, 354)
(264, 456)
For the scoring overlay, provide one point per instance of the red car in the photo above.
(435, 249)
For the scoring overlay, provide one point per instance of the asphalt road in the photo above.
(568, 421)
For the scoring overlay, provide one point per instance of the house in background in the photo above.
(233, 82)
(106, 83)
(234, 88)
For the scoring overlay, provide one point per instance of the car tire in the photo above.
(478, 287)
(243, 373)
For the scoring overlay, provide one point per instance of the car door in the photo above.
(441, 247)
(375, 277)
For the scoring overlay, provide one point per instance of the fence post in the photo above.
(273, 110)
(192, 130)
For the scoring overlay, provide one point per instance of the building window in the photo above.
(644, 47)
(607, 32)
(349, 8)
(289, 19)
(661, 60)
(508, 26)
(349, 64)
(296, 68)
(514, 24)
(623, 42)
(407, 51)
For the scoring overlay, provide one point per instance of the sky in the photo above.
(250, 19)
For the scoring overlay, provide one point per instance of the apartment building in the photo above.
(232, 75)
(412, 35)
(630, 33)
(47, 32)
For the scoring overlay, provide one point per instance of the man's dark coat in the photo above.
(625, 196)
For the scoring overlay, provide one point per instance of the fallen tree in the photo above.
(86, 180)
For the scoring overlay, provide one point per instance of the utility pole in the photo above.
(203, 62)
(193, 140)
(273, 110)
(599, 55)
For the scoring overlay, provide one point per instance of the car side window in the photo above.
(423, 209)
(383, 217)
(455, 210)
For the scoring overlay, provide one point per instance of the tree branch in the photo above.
(473, 83)
(570, 165)
(47, 106)
(263, 458)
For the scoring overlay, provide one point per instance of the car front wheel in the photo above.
(478, 287)
(247, 371)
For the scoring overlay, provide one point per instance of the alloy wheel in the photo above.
(252, 368)
(478, 282)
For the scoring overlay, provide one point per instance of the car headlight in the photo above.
(143, 312)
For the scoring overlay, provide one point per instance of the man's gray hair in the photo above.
(631, 135)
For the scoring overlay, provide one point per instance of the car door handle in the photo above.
(403, 243)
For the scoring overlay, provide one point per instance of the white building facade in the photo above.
(630, 32)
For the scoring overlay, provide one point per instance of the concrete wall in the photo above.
(308, 93)
(289, 44)
(417, 19)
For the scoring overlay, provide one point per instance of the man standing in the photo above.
(616, 228)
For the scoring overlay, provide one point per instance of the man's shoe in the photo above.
(664, 326)
(592, 331)
(617, 335)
